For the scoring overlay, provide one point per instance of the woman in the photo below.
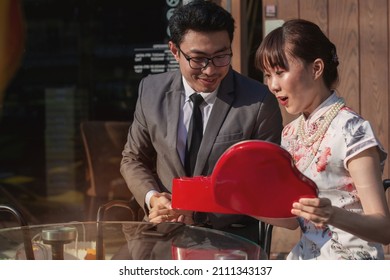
(330, 144)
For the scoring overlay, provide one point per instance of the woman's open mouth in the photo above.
(283, 100)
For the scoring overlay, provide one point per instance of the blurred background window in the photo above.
(82, 60)
(72, 61)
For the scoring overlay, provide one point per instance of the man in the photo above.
(234, 108)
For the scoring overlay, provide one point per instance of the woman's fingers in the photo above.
(317, 210)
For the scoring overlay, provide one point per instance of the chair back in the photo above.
(103, 144)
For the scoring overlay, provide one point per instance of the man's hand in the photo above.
(161, 210)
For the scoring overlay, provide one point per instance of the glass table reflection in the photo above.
(123, 241)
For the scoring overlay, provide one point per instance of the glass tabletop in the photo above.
(123, 241)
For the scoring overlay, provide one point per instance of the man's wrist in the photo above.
(148, 198)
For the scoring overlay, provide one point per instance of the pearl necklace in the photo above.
(322, 124)
(320, 132)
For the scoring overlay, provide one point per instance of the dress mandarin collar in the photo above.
(322, 109)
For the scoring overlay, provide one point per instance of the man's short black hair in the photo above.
(199, 16)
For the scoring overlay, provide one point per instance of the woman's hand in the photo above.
(317, 210)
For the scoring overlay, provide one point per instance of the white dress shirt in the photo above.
(185, 118)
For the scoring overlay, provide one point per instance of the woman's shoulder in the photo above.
(358, 133)
(348, 112)
(348, 119)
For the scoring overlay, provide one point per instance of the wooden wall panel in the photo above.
(315, 11)
(239, 45)
(388, 94)
(388, 106)
(374, 70)
(374, 85)
(344, 33)
(286, 9)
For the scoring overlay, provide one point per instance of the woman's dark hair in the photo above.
(200, 16)
(301, 39)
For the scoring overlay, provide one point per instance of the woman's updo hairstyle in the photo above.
(302, 39)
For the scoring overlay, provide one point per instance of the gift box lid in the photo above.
(253, 177)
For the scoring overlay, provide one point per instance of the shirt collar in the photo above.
(209, 97)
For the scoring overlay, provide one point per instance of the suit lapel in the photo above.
(221, 107)
(173, 104)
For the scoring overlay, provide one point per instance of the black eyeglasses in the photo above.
(202, 62)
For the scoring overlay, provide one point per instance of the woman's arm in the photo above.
(374, 224)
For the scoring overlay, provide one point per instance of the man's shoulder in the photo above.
(249, 87)
(155, 86)
(165, 76)
(246, 80)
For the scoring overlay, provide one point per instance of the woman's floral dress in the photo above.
(325, 162)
